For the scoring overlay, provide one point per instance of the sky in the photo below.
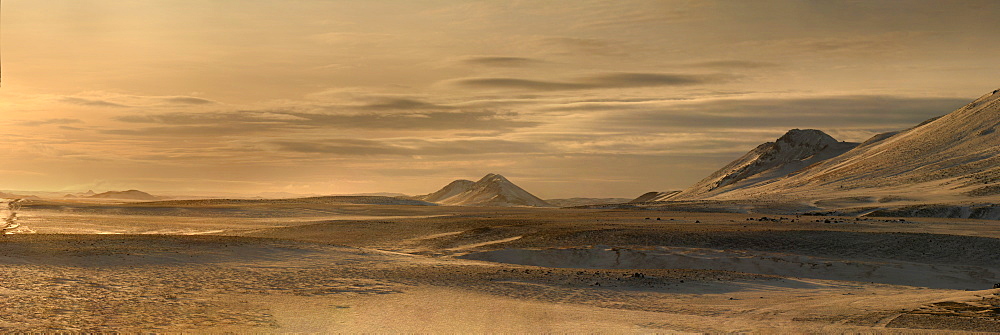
(565, 98)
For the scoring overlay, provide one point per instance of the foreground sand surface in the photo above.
(315, 268)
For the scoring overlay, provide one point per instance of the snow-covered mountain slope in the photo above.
(452, 189)
(789, 154)
(955, 157)
(655, 196)
(491, 190)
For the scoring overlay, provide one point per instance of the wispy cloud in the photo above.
(107, 99)
(733, 64)
(608, 80)
(90, 102)
(55, 121)
(827, 113)
(350, 37)
(408, 147)
(580, 46)
(21, 173)
(403, 104)
(611, 15)
(500, 61)
(862, 45)
(240, 122)
(188, 101)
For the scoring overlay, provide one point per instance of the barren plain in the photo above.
(314, 267)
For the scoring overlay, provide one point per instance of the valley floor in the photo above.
(463, 270)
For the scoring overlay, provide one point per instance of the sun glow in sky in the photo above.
(565, 98)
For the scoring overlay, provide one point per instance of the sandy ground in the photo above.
(493, 270)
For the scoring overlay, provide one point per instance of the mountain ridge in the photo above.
(796, 150)
(953, 157)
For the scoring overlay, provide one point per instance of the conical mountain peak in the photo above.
(491, 190)
(808, 137)
(493, 178)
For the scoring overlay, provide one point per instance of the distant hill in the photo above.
(491, 190)
(125, 195)
(570, 202)
(87, 194)
(374, 194)
(5, 195)
(333, 200)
